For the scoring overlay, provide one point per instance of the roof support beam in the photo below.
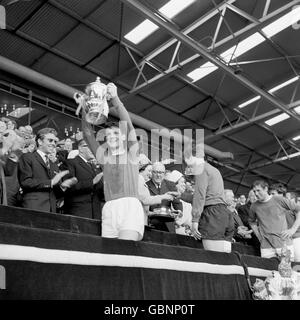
(267, 6)
(163, 72)
(198, 48)
(251, 120)
(265, 164)
(190, 28)
(261, 154)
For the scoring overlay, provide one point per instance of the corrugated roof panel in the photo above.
(81, 7)
(203, 111)
(162, 89)
(137, 104)
(49, 25)
(18, 49)
(183, 98)
(226, 145)
(64, 71)
(83, 44)
(251, 136)
(284, 128)
(107, 62)
(164, 117)
(19, 11)
(108, 17)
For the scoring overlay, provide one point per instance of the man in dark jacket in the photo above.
(39, 178)
(244, 210)
(158, 185)
(86, 198)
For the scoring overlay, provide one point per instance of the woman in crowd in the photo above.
(184, 221)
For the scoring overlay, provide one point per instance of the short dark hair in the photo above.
(261, 183)
(293, 194)
(279, 187)
(41, 134)
(81, 142)
(141, 169)
(62, 155)
(112, 124)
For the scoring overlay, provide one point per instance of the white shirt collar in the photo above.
(43, 155)
(83, 158)
(157, 185)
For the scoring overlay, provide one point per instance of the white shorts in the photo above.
(120, 215)
(274, 252)
(217, 245)
(296, 244)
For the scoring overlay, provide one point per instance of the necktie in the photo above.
(90, 163)
(158, 188)
(47, 161)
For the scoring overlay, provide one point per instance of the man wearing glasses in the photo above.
(158, 185)
(40, 178)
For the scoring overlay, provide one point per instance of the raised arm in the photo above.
(121, 110)
(124, 117)
(89, 137)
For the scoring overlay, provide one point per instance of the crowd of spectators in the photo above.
(79, 177)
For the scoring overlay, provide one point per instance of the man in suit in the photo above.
(86, 198)
(39, 178)
(241, 232)
(244, 210)
(158, 185)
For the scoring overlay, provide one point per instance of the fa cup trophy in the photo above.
(93, 102)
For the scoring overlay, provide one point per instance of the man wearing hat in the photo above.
(183, 222)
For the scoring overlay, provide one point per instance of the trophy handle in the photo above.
(79, 100)
(108, 96)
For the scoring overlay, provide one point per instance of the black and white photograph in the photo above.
(149, 153)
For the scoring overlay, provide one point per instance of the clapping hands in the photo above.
(97, 178)
(58, 176)
(68, 183)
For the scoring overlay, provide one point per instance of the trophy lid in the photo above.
(96, 86)
(98, 80)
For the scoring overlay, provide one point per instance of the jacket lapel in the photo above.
(40, 160)
(85, 165)
(152, 187)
